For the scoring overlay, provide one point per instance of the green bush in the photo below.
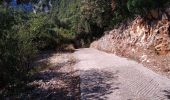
(22, 36)
(143, 6)
(41, 26)
(96, 13)
(16, 47)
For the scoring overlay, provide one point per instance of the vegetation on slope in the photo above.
(23, 34)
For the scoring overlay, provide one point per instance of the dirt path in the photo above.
(108, 77)
(89, 74)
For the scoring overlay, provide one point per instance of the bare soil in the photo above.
(89, 74)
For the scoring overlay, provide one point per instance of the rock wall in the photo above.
(143, 40)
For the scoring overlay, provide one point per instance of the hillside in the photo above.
(45, 54)
(144, 40)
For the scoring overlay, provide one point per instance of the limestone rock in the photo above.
(140, 37)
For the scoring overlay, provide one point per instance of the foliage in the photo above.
(121, 12)
(96, 13)
(143, 6)
(68, 12)
(24, 34)
(41, 26)
(16, 47)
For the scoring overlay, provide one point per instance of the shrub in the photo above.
(16, 47)
(143, 6)
(22, 36)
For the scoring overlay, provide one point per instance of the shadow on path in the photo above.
(97, 85)
(58, 82)
(51, 85)
(62, 82)
(167, 94)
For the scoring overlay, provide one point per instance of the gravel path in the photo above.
(109, 77)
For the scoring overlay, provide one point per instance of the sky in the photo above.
(26, 6)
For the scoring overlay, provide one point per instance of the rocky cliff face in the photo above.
(147, 41)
